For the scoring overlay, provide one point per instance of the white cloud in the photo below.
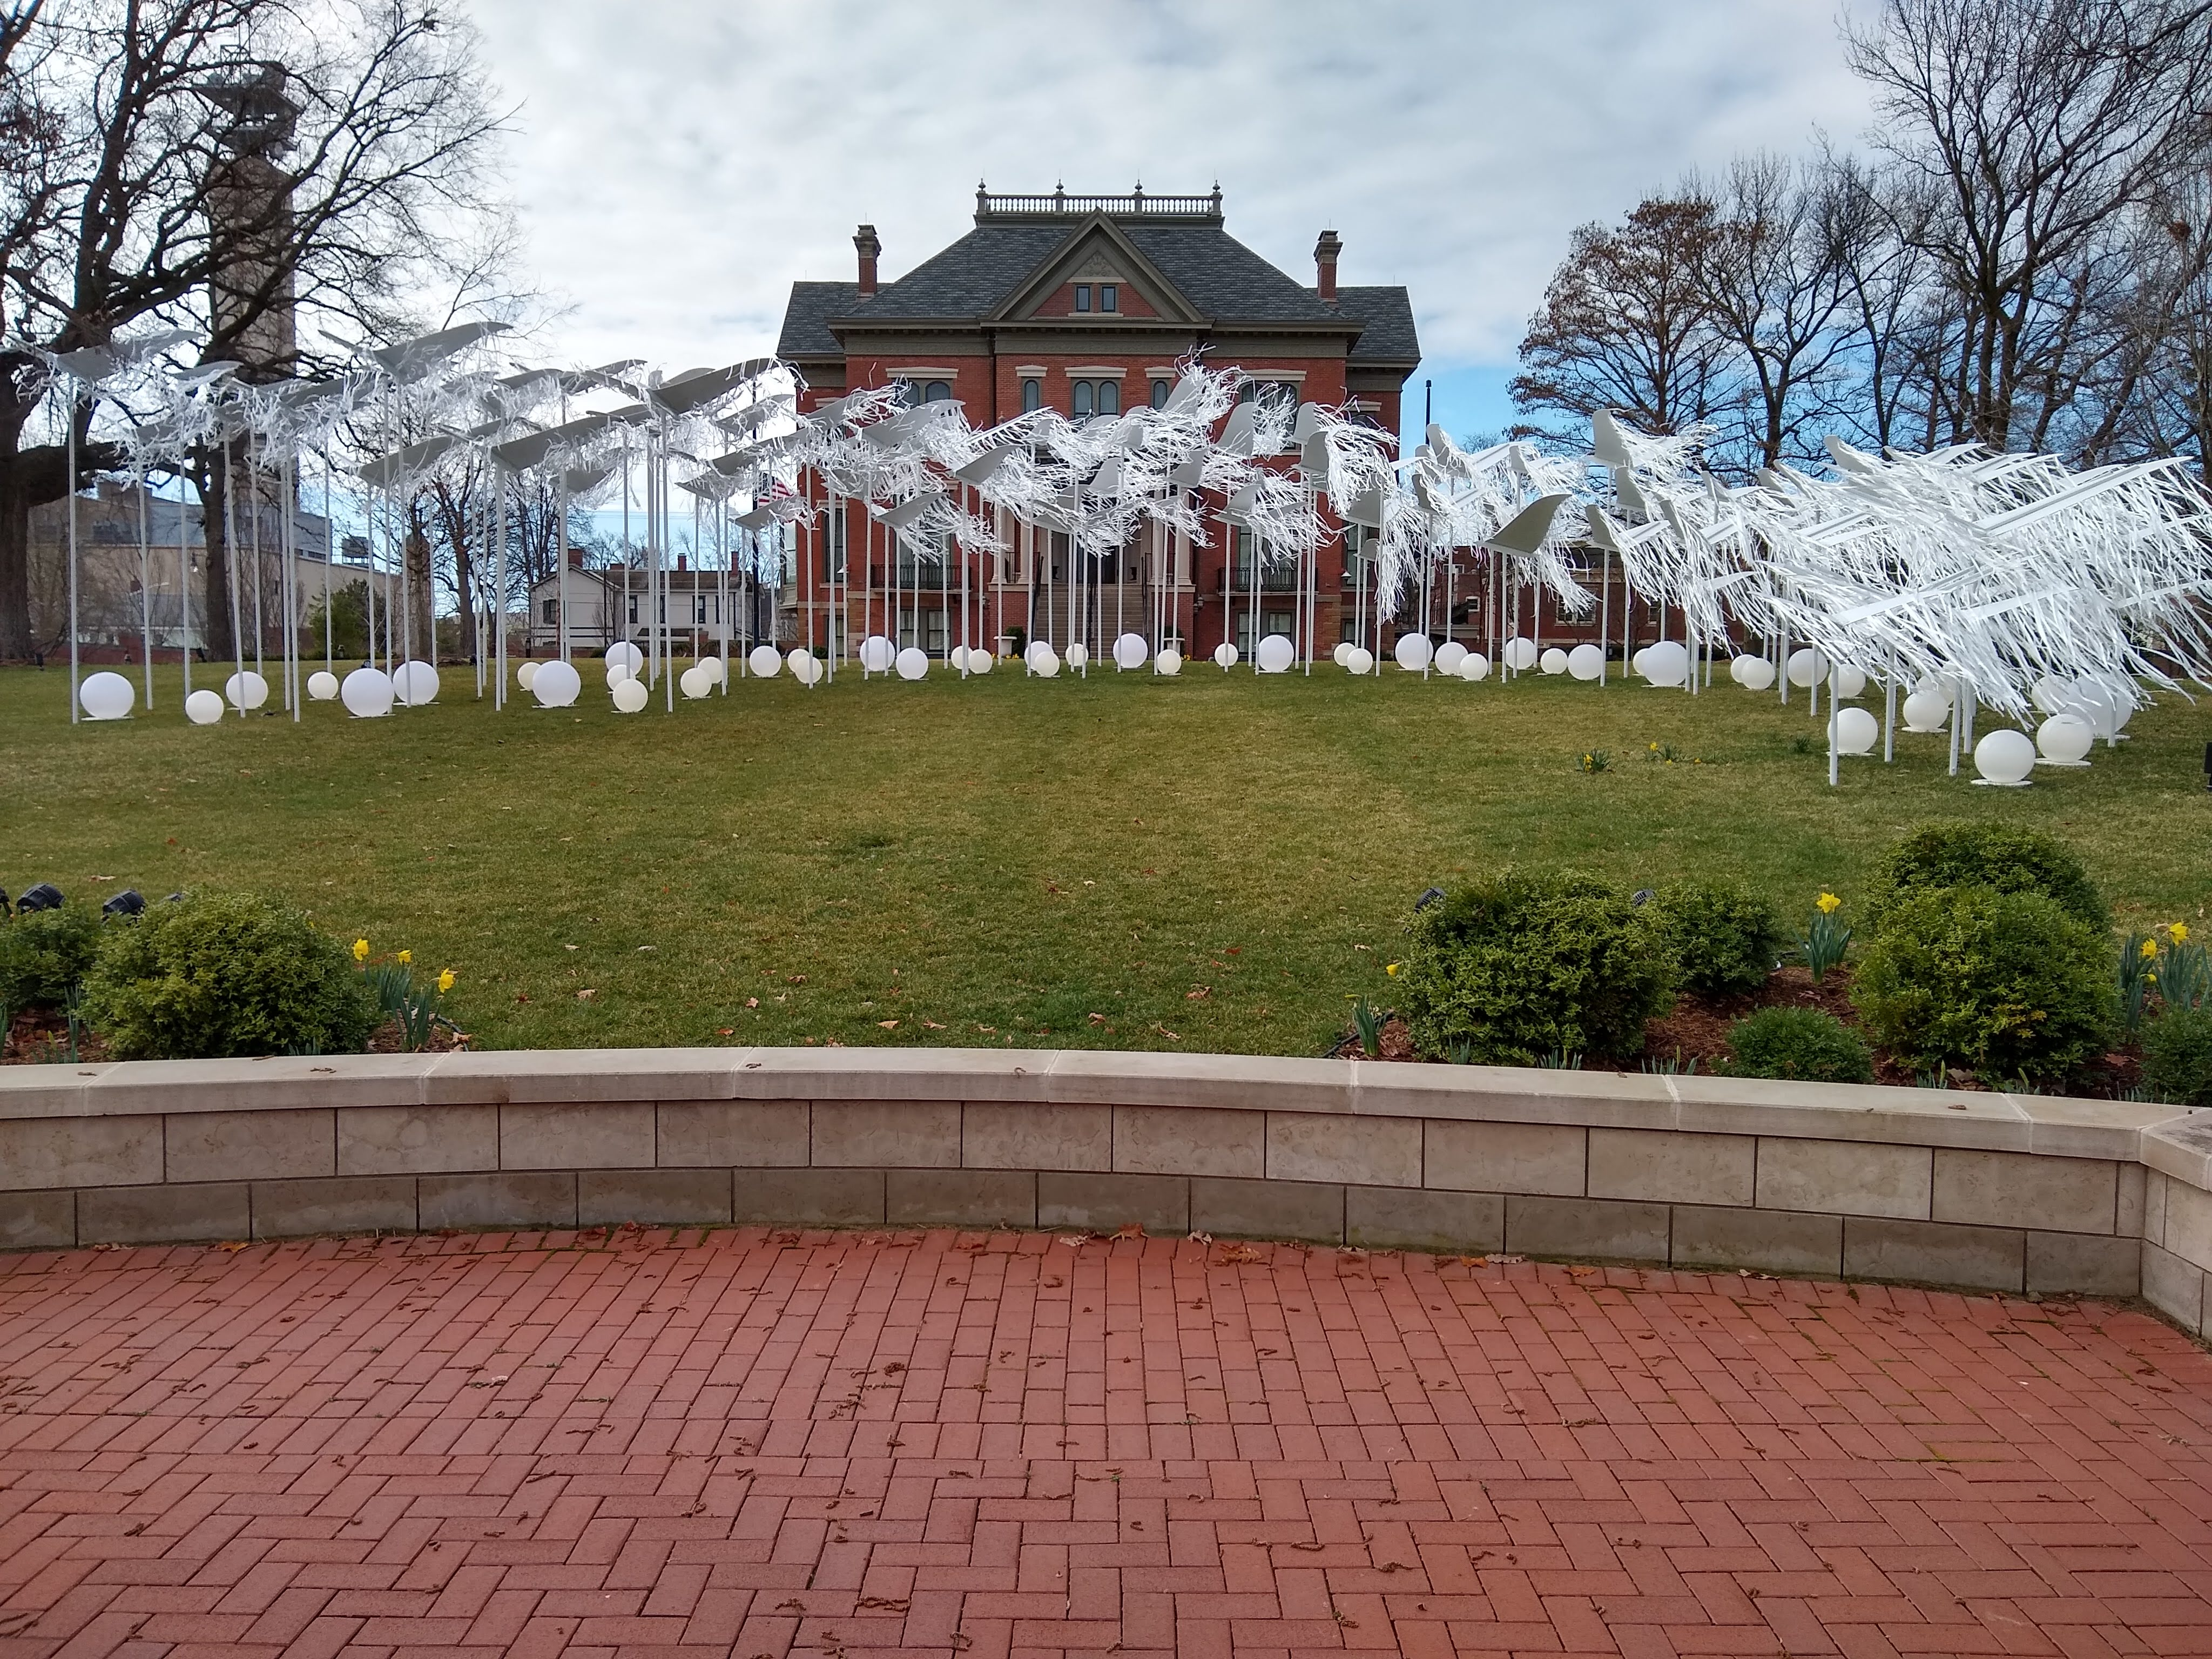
(679, 162)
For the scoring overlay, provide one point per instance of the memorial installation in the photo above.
(1954, 581)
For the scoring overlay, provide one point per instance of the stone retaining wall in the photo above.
(1989, 1191)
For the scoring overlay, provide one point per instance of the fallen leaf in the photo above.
(933, 1026)
(752, 1002)
(587, 995)
(888, 1024)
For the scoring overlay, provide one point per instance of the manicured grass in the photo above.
(1214, 862)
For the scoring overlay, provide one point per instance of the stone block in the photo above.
(497, 1199)
(164, 1215)
(1027, 1135)
(809, 1197)
(960, 1198)
(2188, 1230)
(2128, 1215)
(38, 1221)
(1668, 1166)
(1549, 1159)
(893, 1134)
(79, 1151)
(2084, 1264)
(417, 1139)
(2022, 1189)
(665, 1197)
(1935, 1253)
(1230, 1082)
(1190, 1140)
(337, 1204)
(250, 1146)
(750, 1134)
(1266, 1209)
(1372, 1151)
(1516, 1094)
(1421, 1219)
(1606, 1228)
(1765, 1240)
(1103, 1203)
(1845, 1177)
(578, 1135)
(2175, 1288)
(2154, 1208)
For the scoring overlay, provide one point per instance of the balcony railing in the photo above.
(1137, 203)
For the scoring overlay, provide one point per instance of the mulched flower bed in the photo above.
(41, 1038)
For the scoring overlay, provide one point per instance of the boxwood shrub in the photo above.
(1802, 1043)
(2178, 1056)
(226, 974)
(1994, 855)
(43, 954)
(1518, 968)
(2010, 984)
(1722, 936)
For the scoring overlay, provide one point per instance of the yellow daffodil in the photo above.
(361, 950)
(2149, 949)
(406, 957)
(2178, 932)
(445, 977)
(1829, 903)
(1391, 969)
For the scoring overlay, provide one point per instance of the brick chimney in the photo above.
(1325, 252)
(865, 240)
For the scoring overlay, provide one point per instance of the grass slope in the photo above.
(1213, 862)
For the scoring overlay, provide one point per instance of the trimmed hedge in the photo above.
(43, 954)
(1802, 1043)
(1997, 856)
(1722, 936)
(2178, 1056)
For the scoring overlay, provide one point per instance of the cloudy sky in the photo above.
(679, 162)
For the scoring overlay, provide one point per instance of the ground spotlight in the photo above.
(128, 903)
(45, 897)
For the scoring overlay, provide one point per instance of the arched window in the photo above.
(936, 391)
(1110, 397)
(1160, 390)
(1082, 399)
(1032, 395)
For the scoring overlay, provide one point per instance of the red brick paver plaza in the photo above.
(746, 1443)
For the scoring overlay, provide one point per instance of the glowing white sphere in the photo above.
(367, 694)
(913, 663)
(246, 691)
(2052, 694)
(763, 662)
(1130, 651)
(1667, 663)
(694, 683)
(1169, 661)
(1519, 654)
(979, 660)
(622, 652)
(1276, 653)
(1849, 682)
(322, 686)
(805, 667)
(1637, 660)
(2096, 705)
(1344, 649)
(1079, 655)
(1037, 651)
(1449, 655)
(1926, 711)
(1046, 663)
(1753, 673)
(713, 669)
(415, 684)
(1554, 661)
(1413, 652)
(1585, 662)
(630, 695)
(1853, 730)
(2065, 738)
(106, 697)
(1226, 654)
(876, 654)
(556, 684)
(1361, 661)
(1474, 666)
(1807, 666)
(526, 676)
(617, 673)
(957, 659)
(204, 708)
(2005, 755)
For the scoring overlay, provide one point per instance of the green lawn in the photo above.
(1213, 862)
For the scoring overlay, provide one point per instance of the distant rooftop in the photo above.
(999, 207)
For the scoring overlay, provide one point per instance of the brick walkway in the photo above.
(991, 1444)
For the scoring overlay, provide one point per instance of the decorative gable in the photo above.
(1096, 255)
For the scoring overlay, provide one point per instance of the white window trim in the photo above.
(923, 373)
(1031, 371)
(1161, 371)
(1098, 372)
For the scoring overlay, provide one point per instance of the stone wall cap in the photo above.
(1514, 1093)
(1259, 1083)
(987, 1074)
(552, 1076)
(2068, 1127)
(272, 1083)
(1850, 1111)
(2181, 1148)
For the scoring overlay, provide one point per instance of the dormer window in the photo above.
(1110, 296)
(1082, 296)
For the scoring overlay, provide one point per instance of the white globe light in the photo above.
(1926, 711)
(1585, 662)
(1226, 654)
(956, 660)
(1474, 666)
(1554, 661)
(1363, 660)
(1807, 666)
(713, 669)
(1639, 661)
(764, 662)
(693, 683)
(630, 695)
(1753, 673)
(106, 697)
(1276, 653)
(1667, 663)
(1853, 730)
(1344, 649)
(2005, 756)
(979, 660)
(1519, 654)
(1169, 661)
(367, 694)
(556, 684)
(1045, 665)
(415, 684)
(2065, 739)
(1449, 655)
(913, 663)
(1037, 651)
(204, 708)
(2096, 705)
(1130, 651)
(1079, 655)
(622, 652)
(877, 653)
(246, 691)
(805, 667)
(617, 673)
(1413, 652)
(1848, 681)
(322, 686)
(526, 676)
(2052, 694)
